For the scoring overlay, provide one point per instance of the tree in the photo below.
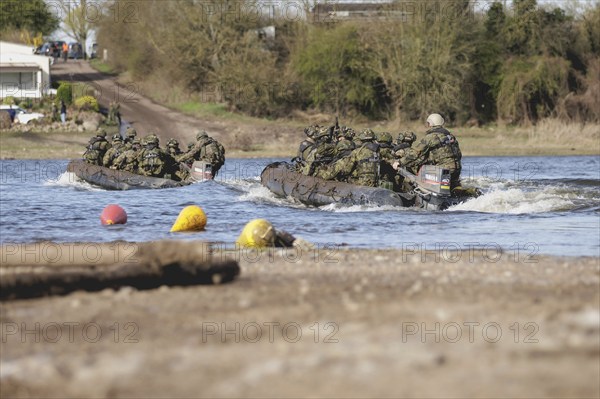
(32, 16)
(78, 19)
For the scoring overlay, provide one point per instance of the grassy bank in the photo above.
(42, 145)
(246, 137)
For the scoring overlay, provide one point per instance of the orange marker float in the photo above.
(113, 214)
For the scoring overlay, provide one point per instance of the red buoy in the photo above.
(113, 214)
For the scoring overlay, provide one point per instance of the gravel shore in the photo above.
(328, 323)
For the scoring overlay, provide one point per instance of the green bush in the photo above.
(65, 93)
(10, 100)
(87, 103)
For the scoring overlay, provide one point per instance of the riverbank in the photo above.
(330, 323)
(280, 139)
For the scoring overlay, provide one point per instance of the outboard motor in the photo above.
(201, 171)
(431, 186)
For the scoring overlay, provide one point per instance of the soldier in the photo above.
(128, 160)
(438, 147)
(205, 149)
(114, 114)
(193, 152)
(321, 154)
(173, 148)
(361, 167)
(403, 142)
(345, 143)
(387, 172)
(151, 159)
(96, 148)
(305, 147)
(213, 152)
(130, 134)
(118, 147)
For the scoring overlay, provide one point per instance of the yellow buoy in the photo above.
(191, 218)
(257, 233)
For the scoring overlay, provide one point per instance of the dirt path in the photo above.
(349, 323)
(147, 116)
(144, 114)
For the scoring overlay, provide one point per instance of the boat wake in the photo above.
(69, 179)
(514, 197)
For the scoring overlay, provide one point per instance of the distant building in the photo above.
(22, 73)
(334, 11)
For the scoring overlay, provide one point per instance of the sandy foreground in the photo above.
(322, 323)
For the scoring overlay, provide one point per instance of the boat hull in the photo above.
(283, 181)
(118, 179)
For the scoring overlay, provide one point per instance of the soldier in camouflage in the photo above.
(438, 147)
(128, 160)
(361, 167)
(118, 147)
(321, 154)
(130, 134)
(305, 147)
(173, 148)
(345, 144)
(205, 149)
(387, 172)
(96, 149)
(151, 159)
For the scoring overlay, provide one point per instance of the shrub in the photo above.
(10, 100)
(87, 103)
(65, 93)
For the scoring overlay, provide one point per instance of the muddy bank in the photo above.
(327, 323)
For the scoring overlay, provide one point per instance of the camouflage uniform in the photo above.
(343, 148)
(151, 159)
(173, 148)
(305, 147)
(387, 171)
(361, 166)
(438, 147)
(321, 154)
(118, 147)
(205, 149)
(213, 152)
(344, 145)
(96, 149)
(128, 160)
(130, 134)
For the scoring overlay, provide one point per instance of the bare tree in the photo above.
(78, 19)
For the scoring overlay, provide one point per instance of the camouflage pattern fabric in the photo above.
(96, 150)
(438, 147)
(361, 167)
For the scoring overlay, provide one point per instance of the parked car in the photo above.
(18, 114)
(75, 51)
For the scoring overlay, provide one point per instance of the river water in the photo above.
(533, 205)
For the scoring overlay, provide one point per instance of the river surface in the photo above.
(531, 205)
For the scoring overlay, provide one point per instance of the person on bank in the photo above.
(438, 147)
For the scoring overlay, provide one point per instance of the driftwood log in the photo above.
(48, 268)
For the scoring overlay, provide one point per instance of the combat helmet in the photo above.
(435, 120)
(201, 135)
(101, 133)
(322, 133)
(117, 137)
(130, 133)
(367, 135)
(406, 137)
(311, 130)
(172, 143)
(384, 138)
(152, 139)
